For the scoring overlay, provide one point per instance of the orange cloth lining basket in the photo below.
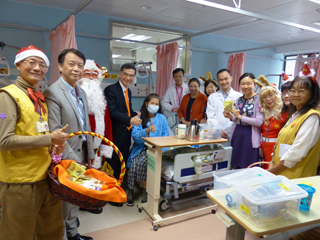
(64, 189)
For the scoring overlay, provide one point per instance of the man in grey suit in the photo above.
(67, 104)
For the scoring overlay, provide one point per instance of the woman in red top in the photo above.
(193, 104)
(271, 103)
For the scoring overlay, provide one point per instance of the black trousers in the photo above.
(123, 143)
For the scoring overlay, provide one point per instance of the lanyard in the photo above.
(290, 120)
(179, 95)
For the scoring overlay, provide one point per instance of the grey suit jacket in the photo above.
(62, 111)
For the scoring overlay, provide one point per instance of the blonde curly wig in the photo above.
(277, 109)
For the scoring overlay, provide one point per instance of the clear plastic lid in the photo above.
(234, 176)
(270, 190)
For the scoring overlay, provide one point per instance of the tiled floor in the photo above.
(107, 224)
(110, 217)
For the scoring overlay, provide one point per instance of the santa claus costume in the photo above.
(99, 116)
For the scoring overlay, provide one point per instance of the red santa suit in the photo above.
(99, 116)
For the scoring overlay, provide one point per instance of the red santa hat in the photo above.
(91, 65)
(284, 77)
(30, 51)
(306, 71)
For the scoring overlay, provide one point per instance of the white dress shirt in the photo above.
(307, 136)
(123, 89)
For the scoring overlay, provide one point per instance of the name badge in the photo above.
(42, 127)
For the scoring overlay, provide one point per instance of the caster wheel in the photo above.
(164, 205)
(213, 211)
(140, 210)
(155, 228)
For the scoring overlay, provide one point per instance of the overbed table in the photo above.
(154, 178)
(304, 218)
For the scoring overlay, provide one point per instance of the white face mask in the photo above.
(152, 108)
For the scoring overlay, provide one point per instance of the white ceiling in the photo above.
(195, 17)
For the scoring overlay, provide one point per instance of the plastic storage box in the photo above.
(269, 200)
(224, 182)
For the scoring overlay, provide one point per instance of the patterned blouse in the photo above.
(246, 107)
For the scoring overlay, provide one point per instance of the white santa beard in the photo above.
(96, 104)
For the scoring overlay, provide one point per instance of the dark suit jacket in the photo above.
(118, 111)
(62, 111)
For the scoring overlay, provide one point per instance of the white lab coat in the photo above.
(215, 108)
(169, 100)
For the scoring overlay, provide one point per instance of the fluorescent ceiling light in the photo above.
(135, 37)
(128, 36)
(317, 23)
(116, 55)
(316, 1)
(254, 15)
(123, 41)
(203, 2)
(146, 7)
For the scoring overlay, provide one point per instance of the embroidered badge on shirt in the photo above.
(3, 116)
(277, 126)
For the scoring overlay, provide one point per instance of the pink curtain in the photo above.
(236, 64)
(167, 60)
(63, 37)
(313, 63)
(298, 67)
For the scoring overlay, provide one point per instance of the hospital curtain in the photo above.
(298, 67)
(167, 60)
(313, 63)
(63, 37)
(236, 64)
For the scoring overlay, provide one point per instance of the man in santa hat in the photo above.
(29, 209)
(98, 112)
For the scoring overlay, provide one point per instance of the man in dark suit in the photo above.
(67, 104)
(122, 115)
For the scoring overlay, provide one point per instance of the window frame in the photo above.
(187, 51)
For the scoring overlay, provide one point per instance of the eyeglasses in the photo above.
(90, 74)
(269, 96)
(32, 63)
(128, 75)
(299, 92)
(73, 64)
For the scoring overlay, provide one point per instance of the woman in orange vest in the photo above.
(274, 118)
(296, 152)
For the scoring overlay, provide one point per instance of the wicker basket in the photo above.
(69, 195)
(258, 163)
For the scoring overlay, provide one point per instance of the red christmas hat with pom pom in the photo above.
(284, 77)
(30, 51)
(307, 72)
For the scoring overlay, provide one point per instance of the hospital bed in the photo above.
(191, 172)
